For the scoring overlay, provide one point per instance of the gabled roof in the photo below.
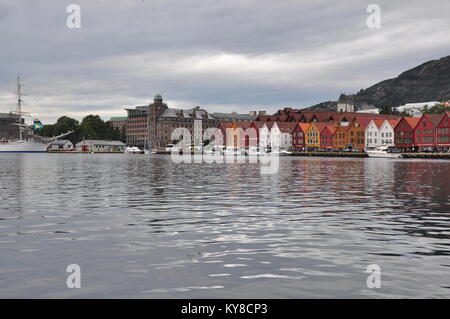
(269, 124)
(332, 128)
(319, 125)
(295, 117)
(286, 127)
(282, 118)
(412, 121)
(378, 123)
(258, 124)
(435, 119)
(393, 123)
(303, 126)
(364, 122)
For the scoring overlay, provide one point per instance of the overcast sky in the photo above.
(233, 55)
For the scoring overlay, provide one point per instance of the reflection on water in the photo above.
(143, 226)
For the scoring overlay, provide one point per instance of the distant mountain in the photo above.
(429, 81)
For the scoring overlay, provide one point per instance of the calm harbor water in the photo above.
(146, 227)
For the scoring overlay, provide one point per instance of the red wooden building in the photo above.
(326, 137)
(425, 131)
(443, 133)
(404, 133)
(298, 136)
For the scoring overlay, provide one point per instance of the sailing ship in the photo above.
(27, 141)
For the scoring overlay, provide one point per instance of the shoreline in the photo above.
(308, 154)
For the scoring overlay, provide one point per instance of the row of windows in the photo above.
(357, 140)
(404, 141)
(425, 132)
(425, 139)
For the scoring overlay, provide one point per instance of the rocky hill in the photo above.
(429, 81)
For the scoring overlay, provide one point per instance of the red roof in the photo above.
(243, 125)
(412, 121)
(434, 118)
(393, 123)
(364, 122)
(269, 124)
(258, 124)
(332, 128)
(320, 125)
(304, 126)
(286, 127)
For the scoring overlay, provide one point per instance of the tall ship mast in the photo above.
(19, 112)
(28, 143)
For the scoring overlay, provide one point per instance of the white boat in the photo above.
(281, 152)
(132, 150)
(21, 146)
(384, 152)
(31, 144)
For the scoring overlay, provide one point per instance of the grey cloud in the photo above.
(261, 53)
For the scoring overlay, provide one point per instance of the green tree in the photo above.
(439, 108)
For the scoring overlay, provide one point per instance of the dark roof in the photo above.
(234, 116)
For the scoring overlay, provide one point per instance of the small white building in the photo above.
(60, 145)
(415, 109)
(387, 132)
(372, 135)
(380, 133)
(264, 135)
(281, 135)
(100, 146)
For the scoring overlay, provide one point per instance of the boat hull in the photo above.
(23, 147)
(384, 155)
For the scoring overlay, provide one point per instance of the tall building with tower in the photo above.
(345, 104)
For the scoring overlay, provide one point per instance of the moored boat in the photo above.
(384, 152)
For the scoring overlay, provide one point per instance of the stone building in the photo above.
(345, 104)
(136, 126)
(236, 117)
(118, 122)
(162, 121)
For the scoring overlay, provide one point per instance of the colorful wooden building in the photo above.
(426, 130)
(443, 133)
(355, 135)
(312, 142)
(326, 137)
(340, 136)
(299, 136)
(404, 133)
